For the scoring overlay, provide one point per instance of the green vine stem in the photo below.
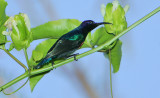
(110, 71)
(20, 63)
(26, 56)
(38, 71)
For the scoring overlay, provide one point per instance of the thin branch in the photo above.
(38, 71)
(110, 73)
(14, 81)
(26, 56)
(20, 63)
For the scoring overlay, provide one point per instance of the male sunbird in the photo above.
(68, 43)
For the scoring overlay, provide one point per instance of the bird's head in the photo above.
(89, 25)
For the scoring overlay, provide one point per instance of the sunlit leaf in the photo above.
(100, 36)
(115, 14)
(87, 42)
(11, 46)
(3, 18)
(54, 29)
(115, 54)
(38, 53)
(37, 56)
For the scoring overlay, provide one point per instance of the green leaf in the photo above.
(100, 36)
(3, 38)
(2, 46)
(116, 54)
(35, 79)
(37, 54)
(54, 29)
(115, 14)
(87, 42)
(11, 47)
(3, 18)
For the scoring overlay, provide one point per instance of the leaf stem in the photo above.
(110, 73)
(26, 56)
(34, 72)
(20, 63)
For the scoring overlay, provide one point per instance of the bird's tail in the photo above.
(41, 64)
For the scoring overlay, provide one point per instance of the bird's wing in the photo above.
(66, 37)
(62, 46)
(52, 46)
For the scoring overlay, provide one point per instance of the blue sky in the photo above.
(138, 76)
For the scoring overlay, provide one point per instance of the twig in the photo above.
(110, 73)
(20, 63)
(26, 56)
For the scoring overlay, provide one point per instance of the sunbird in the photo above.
(68, 43)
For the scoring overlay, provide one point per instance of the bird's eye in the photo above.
(60, 41)
(91, 22)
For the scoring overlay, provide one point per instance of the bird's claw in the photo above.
(53, 66)
(75, 56)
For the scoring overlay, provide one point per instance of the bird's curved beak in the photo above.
(100, 23)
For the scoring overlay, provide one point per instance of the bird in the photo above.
(68, 43)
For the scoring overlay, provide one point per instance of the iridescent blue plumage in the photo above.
(44, 61)
(67, 44)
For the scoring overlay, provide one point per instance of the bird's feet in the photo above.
(74, 55)
(52, 65)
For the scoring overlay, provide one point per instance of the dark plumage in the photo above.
(69, 42)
